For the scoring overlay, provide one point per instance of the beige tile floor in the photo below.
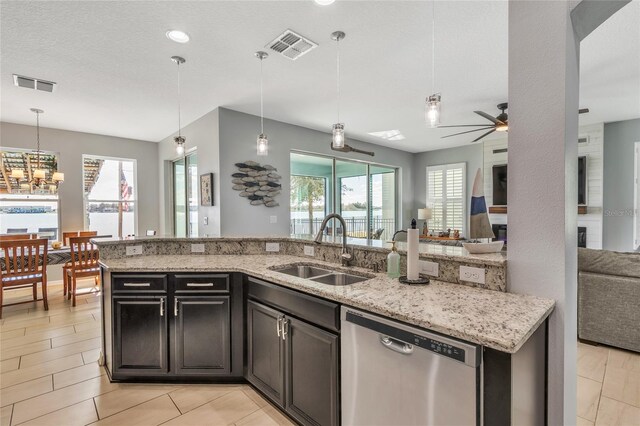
(608, 386)
(49, 376)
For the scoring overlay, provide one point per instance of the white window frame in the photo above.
(27, 198)
(135, 187)
(429, 201)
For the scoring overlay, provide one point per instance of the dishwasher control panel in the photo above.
(406, 335)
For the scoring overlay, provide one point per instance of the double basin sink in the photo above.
(320, 275)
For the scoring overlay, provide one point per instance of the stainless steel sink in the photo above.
(339, 278)
(320, 275)
(304, 271)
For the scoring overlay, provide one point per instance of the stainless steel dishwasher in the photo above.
(394, 374)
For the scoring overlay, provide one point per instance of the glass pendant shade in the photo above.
(432, 111)
(263, 145)
(179, 140)
(17, 174)
(58, 177)
(338, 136)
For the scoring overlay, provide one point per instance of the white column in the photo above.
(542, 180)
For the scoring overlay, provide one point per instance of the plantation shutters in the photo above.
(446, 196)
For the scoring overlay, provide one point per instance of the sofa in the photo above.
(609, 298)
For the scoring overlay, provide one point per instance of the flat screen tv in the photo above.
(500, 183)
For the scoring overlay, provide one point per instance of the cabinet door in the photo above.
(201, 335)
(140, 336)
(265, 351)
(311, 373)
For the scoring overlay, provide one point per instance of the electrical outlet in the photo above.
(429, 268)
(197, 248)
(134, 250)
(273, 219)
(474, 275)
(206, 220)
(309, 250)
(272, 247)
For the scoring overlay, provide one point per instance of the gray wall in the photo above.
(70, 147)
(470, 154)
(201, 135)
(619, 140)
(238, 132)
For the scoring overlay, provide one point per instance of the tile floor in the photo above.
(608, 386)
(49, 376)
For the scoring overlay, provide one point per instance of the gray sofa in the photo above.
(609, 298)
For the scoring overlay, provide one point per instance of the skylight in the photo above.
(390, 135)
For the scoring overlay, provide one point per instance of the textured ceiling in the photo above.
(111, 62)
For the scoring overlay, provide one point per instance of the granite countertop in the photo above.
(502, 321)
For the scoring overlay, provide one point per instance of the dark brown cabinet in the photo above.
(201, 330)
(174, 327)
(292, 361)
(140, 336)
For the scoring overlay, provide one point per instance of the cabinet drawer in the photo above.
(202, 283)
(313, 309)
(139, 283)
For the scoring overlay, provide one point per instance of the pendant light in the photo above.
(338, 128)
(179, 140)
(262, 142)
(39, 175)
(432, 105)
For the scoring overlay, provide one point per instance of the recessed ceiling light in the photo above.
(178, 36)
(390, 135)
(324, 2)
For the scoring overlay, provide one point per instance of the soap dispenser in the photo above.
(393, 262)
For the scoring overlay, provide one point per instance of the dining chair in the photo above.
(24, 263)
(9, 237)
(84, 263)
(66, 236)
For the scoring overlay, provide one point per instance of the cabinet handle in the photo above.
(175, 307)
(199, 284)
(162, 306)
(284, 328)
(278, 321)
(137, 284)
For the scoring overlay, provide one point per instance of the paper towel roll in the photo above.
(412, 254)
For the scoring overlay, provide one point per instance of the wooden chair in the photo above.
(24, 264)
(11, 237)
(84, 263)
(66, 236)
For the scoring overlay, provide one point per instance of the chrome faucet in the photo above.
(345, 257)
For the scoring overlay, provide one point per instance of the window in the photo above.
(364, 194)
(24, 209)
(110, 195)
(185, 196)
(446, 196)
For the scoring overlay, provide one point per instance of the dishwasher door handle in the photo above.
(396, 345)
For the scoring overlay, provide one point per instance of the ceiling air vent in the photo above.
(33, 83)
(291, 45)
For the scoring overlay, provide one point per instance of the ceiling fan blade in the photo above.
(466, 125)
(488, 117)
(469, 131)
(486, 134)
(583, 110)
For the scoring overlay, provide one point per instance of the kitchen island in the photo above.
(239, 299)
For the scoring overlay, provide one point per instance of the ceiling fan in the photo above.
(499, 123)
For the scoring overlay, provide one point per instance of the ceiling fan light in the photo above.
(502, 127)
(338, 136)
(262, 145)
(432, 110)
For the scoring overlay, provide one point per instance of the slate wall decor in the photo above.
(258, 183)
